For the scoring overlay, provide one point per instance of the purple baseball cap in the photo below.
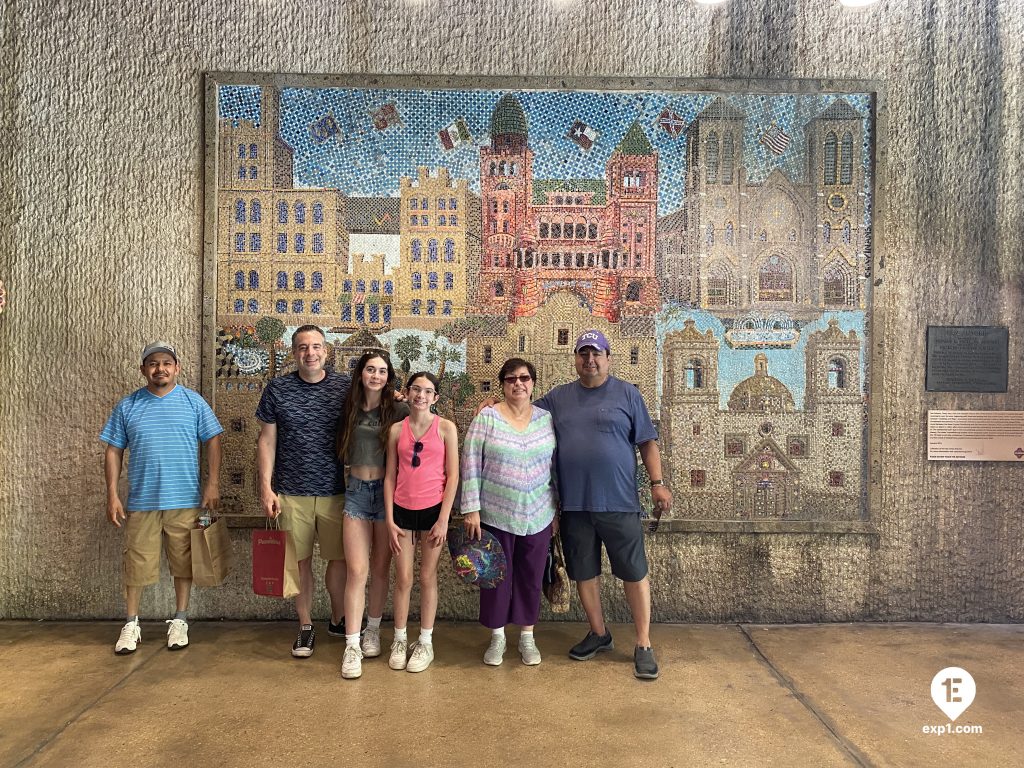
(593, 339)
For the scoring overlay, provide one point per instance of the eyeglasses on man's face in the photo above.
(523, 377)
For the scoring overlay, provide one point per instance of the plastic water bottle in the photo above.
(204, 520)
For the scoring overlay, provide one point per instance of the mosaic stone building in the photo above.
(594, 237)
(782, 245)
(279, 247)
(440, 248)
(762, 456)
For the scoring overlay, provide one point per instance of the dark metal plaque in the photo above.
(967, 358)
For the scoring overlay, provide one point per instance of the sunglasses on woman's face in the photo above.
(523, 377)
(416, 448)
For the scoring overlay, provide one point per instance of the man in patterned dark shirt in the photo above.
(300, 478)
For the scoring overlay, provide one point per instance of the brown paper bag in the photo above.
(275, 570)
(212, 556)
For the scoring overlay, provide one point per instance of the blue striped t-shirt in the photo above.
(162, 435)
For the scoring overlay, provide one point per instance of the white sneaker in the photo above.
(177, 634)
(495, 651)
(371, 642)
(528, 650)
(130, 637)
(397, 659)
(352, 663)
(422, 655)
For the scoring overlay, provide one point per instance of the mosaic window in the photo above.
(735, 446)
(796, 446)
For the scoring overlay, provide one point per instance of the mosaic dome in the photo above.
(508, 117)
(760, 393)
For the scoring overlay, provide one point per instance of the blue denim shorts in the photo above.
(364, 499)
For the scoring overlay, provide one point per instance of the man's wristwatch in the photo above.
(656, 483)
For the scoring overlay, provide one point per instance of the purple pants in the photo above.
(517, 599)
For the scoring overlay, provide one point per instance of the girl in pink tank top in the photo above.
(420, 481)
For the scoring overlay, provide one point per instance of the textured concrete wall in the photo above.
(101, 211)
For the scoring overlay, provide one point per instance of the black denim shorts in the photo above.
(622, 534)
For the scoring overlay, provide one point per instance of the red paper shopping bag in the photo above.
(275, 571)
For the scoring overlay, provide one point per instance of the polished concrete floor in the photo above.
(744, 695)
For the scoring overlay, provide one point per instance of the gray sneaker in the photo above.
(528, 650)
(644, 665)
(495, 651)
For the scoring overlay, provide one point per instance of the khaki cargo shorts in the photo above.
(306, 517)
(143, 532)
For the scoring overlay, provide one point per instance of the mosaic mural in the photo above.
(720, 240)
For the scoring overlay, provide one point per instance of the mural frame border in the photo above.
(878, 156)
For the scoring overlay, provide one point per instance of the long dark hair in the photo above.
(357, 398)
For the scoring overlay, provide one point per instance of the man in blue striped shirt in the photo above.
(161, 425)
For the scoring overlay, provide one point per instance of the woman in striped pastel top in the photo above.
(507, 488)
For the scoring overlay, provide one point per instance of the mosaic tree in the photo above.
(269, 330)
(408, 349)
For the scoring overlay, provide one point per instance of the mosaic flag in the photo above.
(776, 139)
(582, 134)
(321, 130)
(670, 122)
(455, 134)
(385, 116)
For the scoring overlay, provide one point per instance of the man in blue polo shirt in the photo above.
(600, 421)
(161, 425)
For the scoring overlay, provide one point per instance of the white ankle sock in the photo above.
(499, 632)
(352, 640)
(426, 636)
(401, 634)
(372, 623)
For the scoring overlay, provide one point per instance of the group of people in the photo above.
(372, 474)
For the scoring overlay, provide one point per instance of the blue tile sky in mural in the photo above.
(720, 240)
(364, 161)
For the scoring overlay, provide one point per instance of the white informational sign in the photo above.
(976, 436)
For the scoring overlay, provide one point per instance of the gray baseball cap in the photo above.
(159, 346)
